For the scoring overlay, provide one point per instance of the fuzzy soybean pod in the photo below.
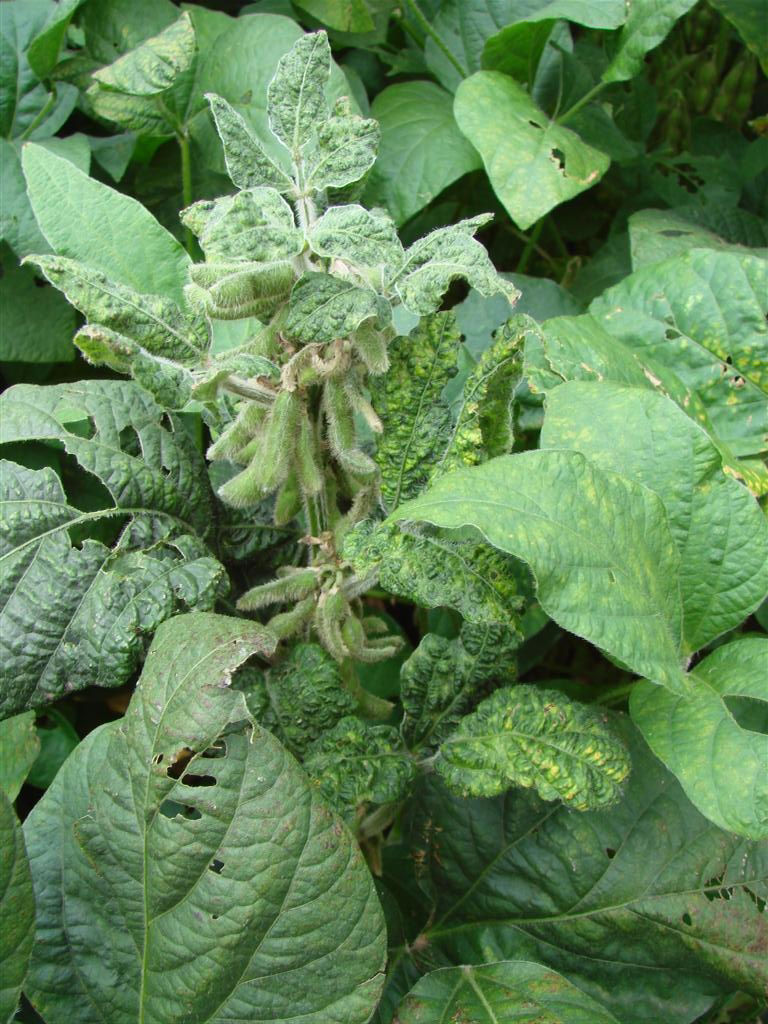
(288, 501)
(704, 82)
(249, 423)
(294, 586)
(332, 609)
(340, 421)
(739, 82)
(269, 454)
(309, 473)
(371, 347)
(289, 623)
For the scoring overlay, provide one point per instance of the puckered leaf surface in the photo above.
(153, 66)
(247, 164)
(17, 911)
(296, 95)
(324, 308)
(192, 853)
(367, 238)
(255, 224)
(341, 151)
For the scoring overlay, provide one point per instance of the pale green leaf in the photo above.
(703, 315)
(296, 95)
(722, 767)
(533, 163)
(324, 308)
(247, 164)
(648, 23)
(144, 115)
(604, 559)
(231, 291)
(17, 911)
(719, 528)
(89, 222)
(367, 238)
(128, 838)
(155, 65)
(19, 747)
(645, 905)
(511, 990)
(341, 151)
(254, 225)
(422, 150)
(433, 262)
(525, 736)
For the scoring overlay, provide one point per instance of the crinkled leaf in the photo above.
(247, 164)
(599, 545)
(408, 401)
(422, 150)
(19, 746)
(719, 528)
(90, 222)
(645, 905)
(341, 151)
(525, 736)
(439, 258)
(704, 316)
(155, 65)
(17, 911)
(722, 766)
(647, 25)
(74, 616)
(482, 584)
(187, 818)
(366, 238)
(443, 679)
(533, 163)
(324, 308)
(356, 763)
(231, 291)
(510, 990)
(296, 95)
(254, 225)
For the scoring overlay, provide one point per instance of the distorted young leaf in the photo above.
(154, 65)
(646, 26)
(165, 824)
(324, 308)
(356, 763)
(416, 422)
(443, 679)
(599, 545)
(422, 150)
(233, 290)
(533, 163)
(72, 211)
(525, 736)
(486, 993)
(720, 765)
(77, 616)
(703, 315)
(433, 262)
(19, 747)
(247, 164)
(719, 528)
(480, 583)
(645, 905)
(367, 238)
(255, 225)
(17, 911)
(296, 99)
(341, 151)
(37, 323)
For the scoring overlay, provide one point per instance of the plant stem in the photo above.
(585, 99)
(186, 184)
(436, 37)
(41, 116)
(530, 245)
(615, 694)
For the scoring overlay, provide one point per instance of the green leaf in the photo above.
(720, 765)
(647, 25)
(80, 616)
(704, 316)
(87, 221)
(645, 905)
(533, 163)
(342, 15)
(604, 559)
(747, 17)
(432, 571)
(253, 225)
(195, 821)
(525, 736)
(341, 151)
(19, 746)
(37, 323)
(489, 993)
(421, 152)
(416, 422)
(442, 256)
(43, 51)
(17, 911)
(366, 238)
(296, 95)
(464, 28)
(247, 164)
(58, 738)
(356, 763)
(114, 27)
(324, 308)
(656, 235)
(231, 291)
(719, 528)
(443, 679)
(155, 65)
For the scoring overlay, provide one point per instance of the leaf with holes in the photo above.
(187, 819)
